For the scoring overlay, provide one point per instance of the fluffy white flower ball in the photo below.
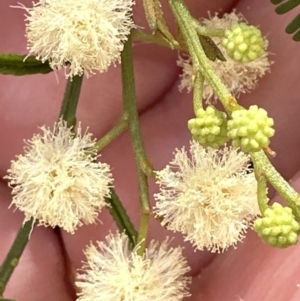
(87, 34)
(114, 273)
(210, 196)
(56, 182)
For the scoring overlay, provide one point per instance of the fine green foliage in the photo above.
(285, 7)
(294, 26)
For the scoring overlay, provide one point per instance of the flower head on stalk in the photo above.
(56, 182)
(88, 35)
(239, 77)
(114, 273)
(209, 197)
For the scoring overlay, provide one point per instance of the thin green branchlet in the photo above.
(208, 193)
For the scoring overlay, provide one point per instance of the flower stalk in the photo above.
(206, 31)
(130, 108)
(13, 256)
(120, 126)
(17, 64)
(262, 188)
(198, 91)
(70, 101)
(121, 218)
(278, 182)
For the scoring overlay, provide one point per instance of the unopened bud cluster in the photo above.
(278, 226)
(209, 127)
(243, 43)
(248, 129)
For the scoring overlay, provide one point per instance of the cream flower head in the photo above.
(114, 273)
(210, 197)
(238, 77)
(56, 182)
(88, 34)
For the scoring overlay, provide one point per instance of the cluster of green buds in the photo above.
(209, 127)
(278, 226)
(243, 43)
(248, 129)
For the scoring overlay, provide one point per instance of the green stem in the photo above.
(120, 216)
(262, 188)
(198, 92)
(14, 254)
(112, 134)
(15, 64)
(145, 211)
(278, 182)
(130, 108)
(70, 101)
(155, 38)
(207, 31)
(189, 33)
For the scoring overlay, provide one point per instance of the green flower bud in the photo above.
(243, 43)
(278, 226)
(209, 127)
(250, 129)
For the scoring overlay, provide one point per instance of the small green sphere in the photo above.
(209, 127)
(278, 226)
(250, 129)
(243, 43)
